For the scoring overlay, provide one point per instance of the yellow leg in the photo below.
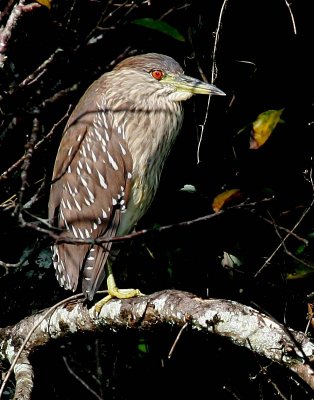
(115, 292)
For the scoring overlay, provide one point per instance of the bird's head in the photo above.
(161, 76)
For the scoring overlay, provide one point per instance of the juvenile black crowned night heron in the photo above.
(109, 163)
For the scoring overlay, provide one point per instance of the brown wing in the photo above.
(90, 189)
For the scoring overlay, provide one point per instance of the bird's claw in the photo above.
(116, 293)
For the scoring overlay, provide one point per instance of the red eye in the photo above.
(157, 74)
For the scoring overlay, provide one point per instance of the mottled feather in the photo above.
(110, 158)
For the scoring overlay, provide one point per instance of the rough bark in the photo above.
(243, 325)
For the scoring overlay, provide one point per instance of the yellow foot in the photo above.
(115, 293)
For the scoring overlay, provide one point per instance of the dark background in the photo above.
(261, 64)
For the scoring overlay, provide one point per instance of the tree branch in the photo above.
(241, 324)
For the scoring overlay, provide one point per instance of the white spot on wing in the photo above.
(91, 196)
(74, 232)
(103, 115)
(81, 233)
(84, 151)
(88, 169)
(77, 205)
(122, 149)
(102, 180)
(98, 134)
(70, 189)
(112, 161)
(83, 181)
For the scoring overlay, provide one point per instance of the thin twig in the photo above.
(282, 228)
(100, 240)
(284, 239)
(42, 68)
(76, 296)
(6, 32)
(213, 78)
(14, 166)
(288, 252)
(80, 380)
(27, 160)
(177, 339)
(292, 17)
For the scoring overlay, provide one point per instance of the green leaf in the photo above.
(142, 346)
(160, 26)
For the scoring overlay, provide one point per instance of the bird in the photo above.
(109, 162)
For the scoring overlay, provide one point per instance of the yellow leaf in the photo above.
(300, 272)
(46, 3)
(263, 127)
(225, 197)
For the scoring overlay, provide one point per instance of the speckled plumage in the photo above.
(109, 162)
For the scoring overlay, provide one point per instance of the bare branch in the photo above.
(213, 77)
(13, 167)
(42, 68)
(284, 239)
(80, 380)
(292, 17)
(242, 325)
(6, 32)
